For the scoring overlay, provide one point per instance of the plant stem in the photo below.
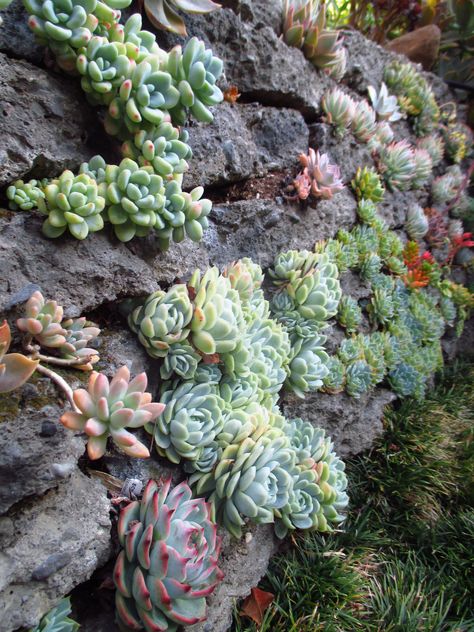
(60, 382)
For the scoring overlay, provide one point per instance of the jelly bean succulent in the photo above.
(57, 619)
(367, 185)
(304, 24)
(15, 368)
(385, 105)
(43, 321)
(107, 409)
(168, 563)
(319, 177)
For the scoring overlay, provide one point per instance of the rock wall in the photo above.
(54, 531)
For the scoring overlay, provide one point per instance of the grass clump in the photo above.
(404, 561)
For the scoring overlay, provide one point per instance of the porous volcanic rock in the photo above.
(49, 545)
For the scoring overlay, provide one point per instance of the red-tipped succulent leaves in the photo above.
(319, 177)
(107, 409)
(169, 560)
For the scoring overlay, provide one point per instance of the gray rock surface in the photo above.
(44, 122)
(244, 141)
(37, 451)
(48, 546)
(353, 424)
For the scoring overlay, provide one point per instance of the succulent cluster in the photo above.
(57, 619)
(147, 92)
(385, 105)
(319, 177)
(226, 361)
(168, 562)
(458, 140)
(367, 185)
(415, 96)
(339, 109)
(304, 26)
(67, 338)
(397, 165)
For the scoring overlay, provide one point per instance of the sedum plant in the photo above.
(367, 185)
(168, 562)
(334, 381)
(349, 314)
(397, 165)
(434, 145)
(107, 409)
(458, 139)
(15, 368)
(304, 23)
(358, 378)
(363, 124)
(423, 168)
(383, 136)
(339, 109)
(416, 223)
(385, 105)
(319, 177)
(57, 619)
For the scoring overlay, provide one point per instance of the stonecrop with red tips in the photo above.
(168, 564)
(105, 409)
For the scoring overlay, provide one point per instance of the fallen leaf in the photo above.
(256, 604)
(231, 94)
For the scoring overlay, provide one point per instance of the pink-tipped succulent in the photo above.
(15, 368)
(43, 321)
(168, 564)
(363, 124)
(339, 108)
(105, 410)
(79, 333)
(319, 177)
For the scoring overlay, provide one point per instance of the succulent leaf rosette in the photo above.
(43, 320)
(78, 335)
(397, 165)
(168, 564)
(319, 178)
(163, 320)
(57, 619)
(191, 421)
(217, 321)
(385, 105)
(339, 109)
(307, 365)
(107, 409)
(15, 368)
(363, 124)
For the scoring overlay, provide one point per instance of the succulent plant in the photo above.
(434, 145)
(455, 228)
(397, 165)
(57, 619)
(292, 265)
(363, 124)
(15, 368)
(195, 72)
(358, 378)
(404, 380)
(381, 307)
(181, 359)
(24, 195)
(448, 309)
(316, 296)
(239, 393)
(78, 335)
(416, 223)
(191, 421)
(43, 320)
(68, 26)
(458, 139)
(319, 178)
(304, 27)
(445, 187)
(164, 147)
(271, 350)
(385, 105)
(367, 185)
(383, 136)
(168, 564)
(350, 350)
(163, 320)
(163, 14)
(245, 276)
(339, 108)
(343, 254)
(349, 314)
(105, 410)
(334, 381)
(71, 202)
(318, 494)
(423, 168)
(367, 211)
(307, 365)
(218, 319)
(370, 266)
(252, 480)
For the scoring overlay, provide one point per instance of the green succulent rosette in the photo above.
(307, 365)
(190, 422)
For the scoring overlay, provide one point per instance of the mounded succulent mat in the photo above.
(346, 315)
